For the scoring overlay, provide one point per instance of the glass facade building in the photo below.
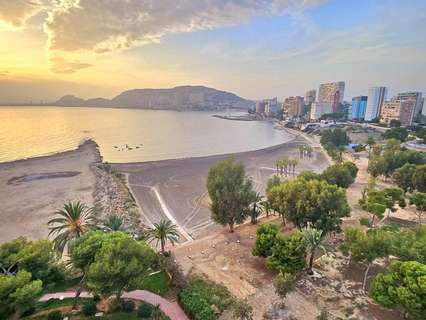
(359, 105)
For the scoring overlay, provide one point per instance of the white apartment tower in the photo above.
(376, 97)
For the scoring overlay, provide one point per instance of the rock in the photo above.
(99, 314)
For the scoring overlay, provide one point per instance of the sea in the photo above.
(129, 135)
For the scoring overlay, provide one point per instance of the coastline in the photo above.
(162, 188)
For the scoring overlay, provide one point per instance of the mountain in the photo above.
(178, 98)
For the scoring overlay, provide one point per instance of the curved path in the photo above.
(171, 309)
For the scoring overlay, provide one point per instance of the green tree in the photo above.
(419, 178)
(162, 232)
(242, 310)
(421, 134)
(272, 182)
(266, 235)
(18, 293)
(312, 241)
(403, 177)
(310, 203)
(284, 283)
(410, 245)
(70, 222)
(266, 207)
(419, 200)
(404, 285)
(395, 123)
(38, 257)
(333, 140)
(309, 175)
(365, 247)
(230, 192)
(400, 134)
(120, 264)
(288, 255)
(370, 142)
(340, 174)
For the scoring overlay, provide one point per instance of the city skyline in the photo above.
(256, 50)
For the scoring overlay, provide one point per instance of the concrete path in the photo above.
(171, 309)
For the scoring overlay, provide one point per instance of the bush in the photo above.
(97, 298)
(365, 222)
(145, 310)
(266, 235)
(54, 315)
(127, 305)
(89, 308)
(202, 298)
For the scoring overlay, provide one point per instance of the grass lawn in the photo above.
(157, 283)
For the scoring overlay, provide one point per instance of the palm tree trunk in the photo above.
(231, 227)
(311, 262)
(364, 283)
(162, 245)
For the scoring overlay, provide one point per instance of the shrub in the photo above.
(97, 298)
(145, 310)
(266, 235)
(365, 222)
(54, 315)
(202, 298)
(127, 305)
(284, 283)
(89, 308)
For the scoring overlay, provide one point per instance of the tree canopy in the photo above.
(230, 191)
(333, 140)
(341, 174)
(403, 285)
(266, 235)
(403, 177)
(419, 178)
(397, 133)
(18, 293)
(288, 255)
(115, 262)
(313, 203)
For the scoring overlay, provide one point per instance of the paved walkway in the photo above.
(171, 309)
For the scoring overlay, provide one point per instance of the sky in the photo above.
(254, 48)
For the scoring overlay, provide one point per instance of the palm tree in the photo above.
(256, 209)
(72, 221)
(114, 222)
(312, 240)
(162, 232)
(266, 207)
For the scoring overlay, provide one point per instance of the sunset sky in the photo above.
(254, 48)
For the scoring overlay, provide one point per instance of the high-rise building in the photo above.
(423, 107)
(320, 108)
(331, 93)
(414, 96)
(376, 97)
(260, 107)
(293, 106)
(401, 110)
(358, 107)
(271, 106)
(310, 96)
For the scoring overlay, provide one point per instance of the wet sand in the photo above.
(33, 189)
(176, 189)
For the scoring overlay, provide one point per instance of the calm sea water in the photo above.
(126, 135)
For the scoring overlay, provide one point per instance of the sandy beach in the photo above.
(176, 189)
(33, 189)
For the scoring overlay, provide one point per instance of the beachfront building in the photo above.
(401, 110)
(423, 107)
(357, 108)
(271, 106)
(310, 96)
(414, 96)
(375, 100)
(260, 107)
(320, 108)
(293, 106)
(331, 93)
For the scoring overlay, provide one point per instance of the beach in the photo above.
(177, 188)
(33, 189)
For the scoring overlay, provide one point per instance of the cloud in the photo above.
(4, 73)
(64, 66)
(16, 12)
(103, 25)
